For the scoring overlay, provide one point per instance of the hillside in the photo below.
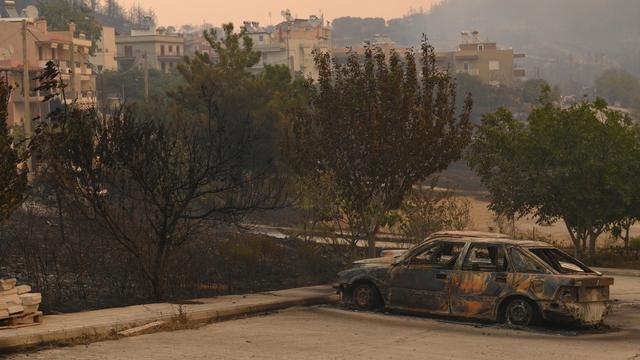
(565, 40)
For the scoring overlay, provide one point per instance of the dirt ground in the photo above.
(483, 220)
(333, 333)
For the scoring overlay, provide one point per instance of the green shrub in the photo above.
(635, 243)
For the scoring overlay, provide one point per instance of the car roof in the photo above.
(487, 237)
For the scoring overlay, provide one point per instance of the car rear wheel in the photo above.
(366, 297)
(521, 311)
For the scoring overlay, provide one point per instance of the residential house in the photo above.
(68, 49)
(483, 59)
(162, 47)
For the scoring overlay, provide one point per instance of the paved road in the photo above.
(332, 333)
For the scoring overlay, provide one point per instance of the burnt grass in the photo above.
(93, 274)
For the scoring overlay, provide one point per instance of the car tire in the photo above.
(366, 297)
(521, 312)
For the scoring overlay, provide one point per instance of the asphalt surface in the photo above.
(334, 333)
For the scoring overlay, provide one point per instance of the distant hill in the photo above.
(107, 12)
(565, 40)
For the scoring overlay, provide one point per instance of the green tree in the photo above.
(13, 175)
(619, 86)
(532, 89)
(378, 128)
(574, 165)
(130, 83)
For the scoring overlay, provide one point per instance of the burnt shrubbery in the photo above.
(83, 271)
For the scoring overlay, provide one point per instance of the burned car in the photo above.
(482, 276)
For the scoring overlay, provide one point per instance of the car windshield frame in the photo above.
(543, 254)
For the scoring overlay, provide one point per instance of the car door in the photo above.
(421, 282)
(480, 282)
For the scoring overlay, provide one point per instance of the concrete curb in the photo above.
(618, 272)
(102, 329)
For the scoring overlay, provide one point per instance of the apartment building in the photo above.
(483, 59)
(104, 57)
(68, 49)
(163, 48)
(291, 43)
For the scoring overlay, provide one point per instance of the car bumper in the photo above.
(587, 313)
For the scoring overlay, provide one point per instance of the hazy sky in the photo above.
(178, 12)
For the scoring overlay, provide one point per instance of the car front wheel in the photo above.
(366, 297)
(521, 312)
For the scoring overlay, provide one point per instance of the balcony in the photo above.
(472, 72)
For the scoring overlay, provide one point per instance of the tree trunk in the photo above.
(371, 242)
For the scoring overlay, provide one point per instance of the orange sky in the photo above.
(178, 12)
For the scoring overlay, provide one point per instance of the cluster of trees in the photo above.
(619, 87)
(158, 175)
(353, 148)
(577, 165)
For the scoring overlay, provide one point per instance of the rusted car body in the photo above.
(482, 276)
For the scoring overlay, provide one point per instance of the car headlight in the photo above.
(569, 294)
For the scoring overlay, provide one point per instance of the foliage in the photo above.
(532, 89)
(425, 211)
(378, 129)
(131, 83)
(575, 164)
(619, 86)
(13, 175)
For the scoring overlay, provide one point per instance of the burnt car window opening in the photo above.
(560, 261)
(490, 258)
(441, 255)
(523, 264)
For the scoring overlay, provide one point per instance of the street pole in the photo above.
(26, 89)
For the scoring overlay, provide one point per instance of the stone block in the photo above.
(30, 309)
(9, 300)
(7, 284)
(12, 291)
(15, 309)
(31, 299)
(23, 289)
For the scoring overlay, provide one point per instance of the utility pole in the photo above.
(26, 90)
(146, 76)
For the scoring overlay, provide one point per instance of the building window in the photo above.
(494, 65)
(128, 51)
(162, 50)
(261, 38)
(481, 47)
(164, 66)
(40, 53)
(170, 49)
(178, 50)
(466, 67)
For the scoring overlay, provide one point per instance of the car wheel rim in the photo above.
(363, 296)
(519, 312)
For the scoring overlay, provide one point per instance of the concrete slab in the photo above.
(106, 323)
